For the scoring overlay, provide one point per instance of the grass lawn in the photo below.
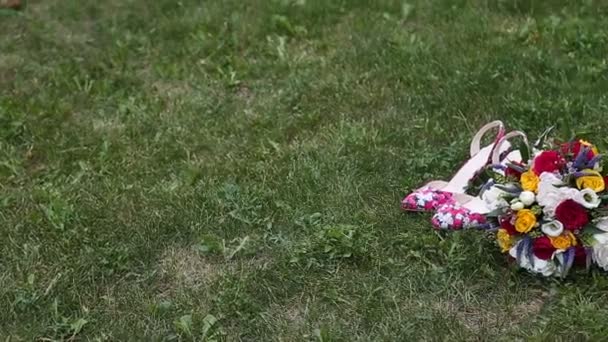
(232, 170)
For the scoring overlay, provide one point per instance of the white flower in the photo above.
(544, 267)
(552, 192)
(527, 198)
(601, 239)
(600, 254)
(553, 228)
(588, 199)
(600, 250)
(494, 198)
(547, 184)
(602, 223)
(517, 206)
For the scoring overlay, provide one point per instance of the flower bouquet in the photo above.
(551, 211)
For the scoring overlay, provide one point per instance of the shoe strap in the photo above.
(476, 142)
(497, 149)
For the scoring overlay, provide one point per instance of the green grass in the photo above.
(232, 170)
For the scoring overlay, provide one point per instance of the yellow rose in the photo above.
(529, 181)
(525, 221)
(593, 181)
(504, 240)
(563, 241)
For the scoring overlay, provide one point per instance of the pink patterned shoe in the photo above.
(427, 199)
(438, 193)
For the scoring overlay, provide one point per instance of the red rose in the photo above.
(572, 215)
(580, 256)
(573, 148)
(542, 248)
(548, 161)
(505, 223)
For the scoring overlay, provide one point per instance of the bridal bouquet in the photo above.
(551, 210)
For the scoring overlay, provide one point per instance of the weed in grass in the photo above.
(332, 243)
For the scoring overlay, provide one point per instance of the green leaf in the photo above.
(322, 334)
(209, 245)
(495, 213)
(9, 12)
(524, 149)
(591, 229)
(77, 325)
(160, 308)
(208, 323)
(282, 23)
(240, 247)
(406, 10)
(543, 137)
(184, 325)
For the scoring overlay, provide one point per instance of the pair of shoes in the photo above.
(453, 208)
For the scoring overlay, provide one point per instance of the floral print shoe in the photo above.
(426, 199)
